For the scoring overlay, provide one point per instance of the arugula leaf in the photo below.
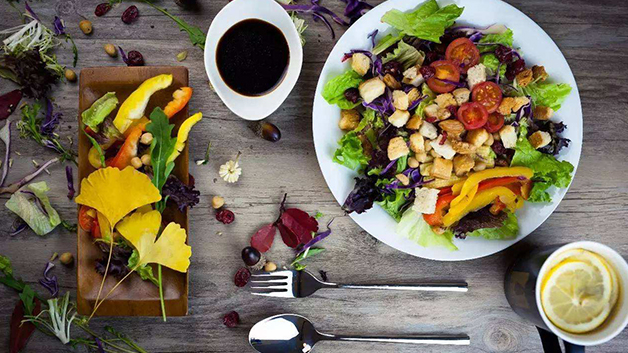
(197, 36)
(309, 252)
(28, 299)
(350, 153)
(386, 42)
(427, 22)
(413, 226)
(145, 271)
(5, 266)
(547, 94)
(162, 146)
(508, 230)
(505, 38)
(96, 146)
(405, 54)
(334, 90)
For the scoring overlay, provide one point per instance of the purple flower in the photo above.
(70, 178)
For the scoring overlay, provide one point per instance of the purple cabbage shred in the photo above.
(50, 282)
(58, 26)
(356, 9)
(50, 121)
(70, 178)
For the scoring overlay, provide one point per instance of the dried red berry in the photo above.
(242, 277)
(503, 54)
(393, 67)
(135, 58)
(102, 9)
(225, 216)
(427, 72)
(352, 94)
(231, 320)
(515, 68)
(129, 15)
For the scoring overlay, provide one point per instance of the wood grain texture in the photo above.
(592, 35)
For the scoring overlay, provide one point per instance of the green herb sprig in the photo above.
(197, 36)
(30, 127)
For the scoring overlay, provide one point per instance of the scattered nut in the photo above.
(86, 26)
(145, 159)
(146, 138)
(110, 49)
(270, 266)
(403, 179)
(136, 162)
(413, 162)
(217, 202)
(66, 258)
(70, 75)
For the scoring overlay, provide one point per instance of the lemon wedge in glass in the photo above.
(576, 295)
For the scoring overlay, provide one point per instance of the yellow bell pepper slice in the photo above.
(457, 187)
(481, 200)
(133, 107)
(474, 179)
(182, 135)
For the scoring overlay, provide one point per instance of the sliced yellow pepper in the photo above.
(455, 189)
(182, 135)
(481, 200)
(133, 107)
(474, 179)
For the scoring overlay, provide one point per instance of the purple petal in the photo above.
(30, 11)
(320, 236)
(123, 55)
(18, 227)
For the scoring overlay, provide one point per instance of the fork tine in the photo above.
(273, 294)
(284, 281)
(282, 287)
(286, 273)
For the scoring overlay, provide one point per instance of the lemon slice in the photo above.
(575, 296)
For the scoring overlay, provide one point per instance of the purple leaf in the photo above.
(355, 9)
(50, 121)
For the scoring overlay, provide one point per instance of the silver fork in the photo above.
(301, 284)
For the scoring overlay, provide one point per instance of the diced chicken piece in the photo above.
(413, 95)
(538, 73)
(428, 130)
(399, 118)
(524, 77)
(453, 127)
(463, 147)
(397, 148)
(445, 150)
(476, 75)
(461, 95)
(431, 111)
(463, 164)
(425, 201)
(543, 113)
(505, 107)
(349, 119)
(425, 169)
(477, 137)
(415, 122)
(445, 100)
(417, 143)
(360, 63)
(508, 136)
(520, 102)
(371, 89)
(391, 82)
(540, 139)
(400, 100)
(441, 168)
(413, 77)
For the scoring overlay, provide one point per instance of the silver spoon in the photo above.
(290, 333)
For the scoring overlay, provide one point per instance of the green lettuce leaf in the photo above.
(30, 212)
(394, 202)
(538, 193)
(145, 271)
(508, 231)
(101, 109)
(547, 94)
(370, 119)
(427, 22)
(405, 54)
(505, 38)
(413, 226)
(350, 153)
(425, 102)
(5, 266)
(334, 90)
(388, 41)
(492, 63)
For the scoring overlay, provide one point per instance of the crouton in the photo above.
(508, 136)
(391, 82)
(397, 148)
(425, 200)
(453, 127)
(543, 113)
(538, 73)
(413, 162)
(540, 139)
(371, 89)
(349, 119)
(423, 157)
(428, 130)
(461, 95)
(463, 164)
(444, 150)
(505, 108)
(524, 77)
(413, 77)
(476, 75)
(477, 137)
(360, 63)
(490, 141)
(415, 122)
(413, 95)
(417, 143)
(443, 113)
(479, 166)
(441, 168)
(520, 102)
(399, 118)
(431, 111)
(463, 147)
(400, 100)
(445, 100)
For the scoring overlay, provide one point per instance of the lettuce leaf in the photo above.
(492, 63)
(547, 94)
(427, 22)
(5, 266)
(413, 226)
(40, 216)
(505, 38)
(508, 231)
(350, 153)
(334, 90)
(393, 202)
(101, 109)
(386, 42)
(370, 118)
(405, 54)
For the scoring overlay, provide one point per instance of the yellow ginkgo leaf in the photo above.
(115, 193)
(170, 250)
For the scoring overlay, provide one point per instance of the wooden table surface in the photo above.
(592, 36)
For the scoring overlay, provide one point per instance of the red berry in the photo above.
(231, 320)
(427, 72)
(102, 9)
(225, 216)
(129, 15)
(242, 277)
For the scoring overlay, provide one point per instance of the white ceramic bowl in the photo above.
(259, 107)
(537, 48)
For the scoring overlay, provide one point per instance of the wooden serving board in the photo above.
(134, 297)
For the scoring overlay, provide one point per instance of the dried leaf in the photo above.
(263, 238)
(289, 238)
(300, 223)
(21, 332)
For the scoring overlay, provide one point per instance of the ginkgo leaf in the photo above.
(115, 193)
(170, 250)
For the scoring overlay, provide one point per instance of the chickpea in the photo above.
(217, 202)
(66, 258)
(413, 162)
(110, 49)
(146, 138)
(270, 267)
(136, 162)
(86, 27)
(145, 159)
(70, 75)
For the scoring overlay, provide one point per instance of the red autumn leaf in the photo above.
(20, 333)
(263, 239)
(8, 103)
(300, 223)
(287, 236)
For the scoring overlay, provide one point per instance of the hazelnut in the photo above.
(217, 202)
(270, 266)
(136, 162)
(70, 75)
(110, 49)
(86, 26)
(145, 159)
(146, 138)
(66, 258)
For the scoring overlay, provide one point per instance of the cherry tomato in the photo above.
(494, 122)
(473, 115)
(86, 218)
(96, 234)
(463, 53)
(488, 94)
(445, 70)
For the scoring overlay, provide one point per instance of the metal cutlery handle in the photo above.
(455, 340)
(432, 287)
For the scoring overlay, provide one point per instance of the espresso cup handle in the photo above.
(573, 348)
(551, 344)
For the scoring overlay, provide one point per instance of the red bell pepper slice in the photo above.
(128, 149)
(436, 218)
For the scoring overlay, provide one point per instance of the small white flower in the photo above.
(231, 171)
